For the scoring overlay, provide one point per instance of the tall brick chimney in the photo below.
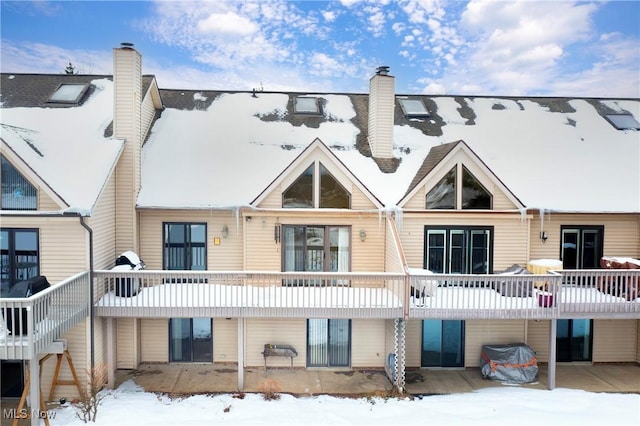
(381, 112)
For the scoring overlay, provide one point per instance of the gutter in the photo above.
(91, 314)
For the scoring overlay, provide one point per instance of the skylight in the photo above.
(68, 93)
(413, 108)
(623, 121)
(306, 105)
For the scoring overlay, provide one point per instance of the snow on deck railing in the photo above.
(29, 325)
(558, 294)
(173, 293)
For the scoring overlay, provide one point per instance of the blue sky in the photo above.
(536, 48)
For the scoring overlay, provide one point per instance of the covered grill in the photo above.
(278, 350)
(127, 262)
(513, 363)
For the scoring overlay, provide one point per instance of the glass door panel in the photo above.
(574, 340)
(442, 343)
(328, 342)
(190, 340)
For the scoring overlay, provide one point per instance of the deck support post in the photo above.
(240, 354)
(111, 357)
(551, 371)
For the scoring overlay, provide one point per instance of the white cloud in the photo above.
(227, 23)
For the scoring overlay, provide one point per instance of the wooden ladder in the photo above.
(23, 399)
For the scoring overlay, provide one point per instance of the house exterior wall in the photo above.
(226, 256)
(262, 253)
(613, 340)
(621, 233)
(510, 243)
(154, 340)
(368, 348)
(126, 342)
(225, 340)
(259, 332)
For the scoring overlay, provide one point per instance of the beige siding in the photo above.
(621, 233)
(225, 340)
(381, 112)
(127, 126)
(125, 343)
(64, 244)
(638, 341)
(45, 202)
(154, 340)
(77, 344)
(394, 257)
(478, 333)
(148, 112)
(103, 224)
(414, 343)
(538, 338)
(368, 343)
(615, 340)
(390, 338)
(264, 254)
(224, 257)
(258, 332)
(510, 235)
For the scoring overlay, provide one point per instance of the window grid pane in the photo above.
(17, 192)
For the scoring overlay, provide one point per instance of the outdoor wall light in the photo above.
(363, 235)
(225, 231)
(544, 236)
(276, 233)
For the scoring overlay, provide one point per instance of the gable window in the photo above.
(466, 191)
(68, 93)
(316, 188)
(185, 246)
(458, 249)
(19, 257)
(623, 121)
(306, 105)
(413, 108)
(17, 192)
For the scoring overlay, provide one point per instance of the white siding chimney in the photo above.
(381, 111)
(127, 115)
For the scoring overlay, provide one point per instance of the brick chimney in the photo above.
(127, 116)
(381, 112)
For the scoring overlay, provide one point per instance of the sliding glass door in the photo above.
(442, 343)
(190, 340)
(328, 343)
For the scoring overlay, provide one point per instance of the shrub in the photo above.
(87, 404)
(269, 389)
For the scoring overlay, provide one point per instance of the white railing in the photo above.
(29, 325)
(455, 296)
(602, 292)
(248, 294)
(560, 294)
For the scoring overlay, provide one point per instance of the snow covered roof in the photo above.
(68, 146)
(212, 149)
(221, 149)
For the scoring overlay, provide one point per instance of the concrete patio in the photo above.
(180, 379)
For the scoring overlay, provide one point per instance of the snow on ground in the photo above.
(130, 405)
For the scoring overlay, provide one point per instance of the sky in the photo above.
(495, 406)
(477, 47)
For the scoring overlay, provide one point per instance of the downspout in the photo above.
(91, 316)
